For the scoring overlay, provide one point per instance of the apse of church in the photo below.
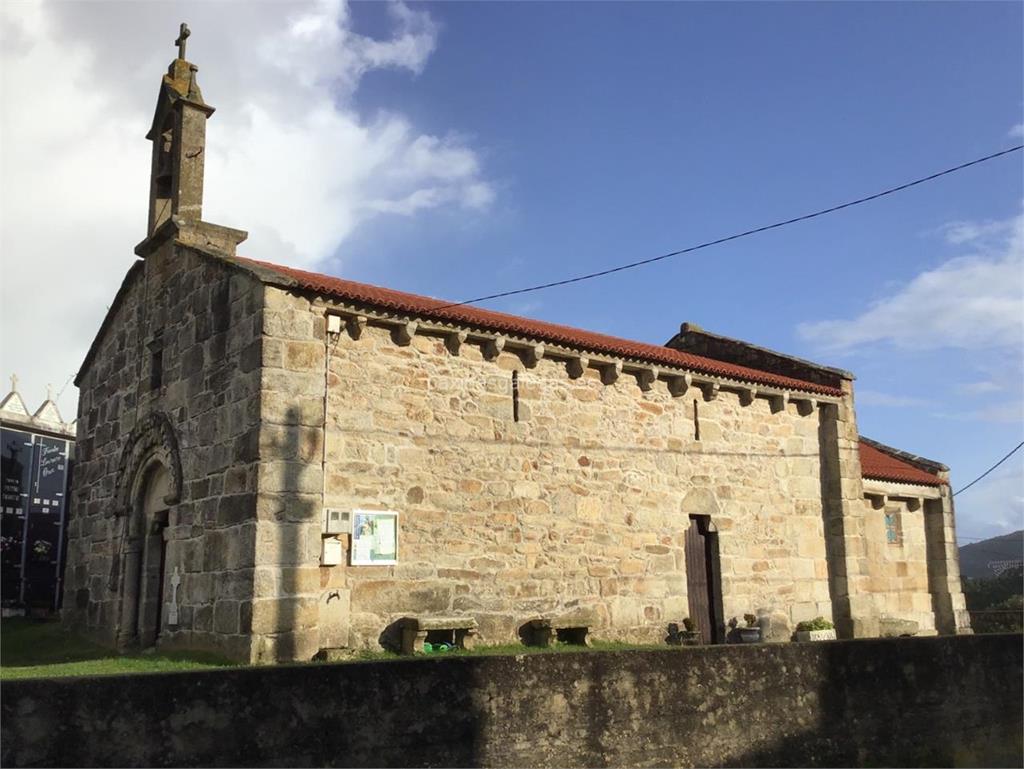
(273, 462)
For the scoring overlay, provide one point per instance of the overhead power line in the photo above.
(1012, 452)
(737, 236)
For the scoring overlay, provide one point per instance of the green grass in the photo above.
(513, 649)
(42, 648)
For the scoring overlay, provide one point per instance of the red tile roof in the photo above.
(412, 304)
(875, 463)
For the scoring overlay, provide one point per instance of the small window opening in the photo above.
(515, 396)
(893, 529)
(455, 639)
(577, 636)
(696, 421)
(164, 173)
(156, 366)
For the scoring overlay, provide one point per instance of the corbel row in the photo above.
(879, 501)
(576, 362)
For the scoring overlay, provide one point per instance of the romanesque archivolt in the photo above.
(152, 439)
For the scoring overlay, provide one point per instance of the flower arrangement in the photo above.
(42, 547)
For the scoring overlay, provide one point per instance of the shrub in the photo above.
(818, 623)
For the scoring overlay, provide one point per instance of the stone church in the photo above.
(273, 462)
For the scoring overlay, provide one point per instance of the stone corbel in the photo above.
(404, 332)
(646, 377)
(355, 324)
(576, 366)
(878, 501)
(710, 390)
(804, 405)
(776, 401)
(747, 396)
(533, 355)
(610, 372)
(454, 341)
(493, 347)
(914, 504)
(678, 385)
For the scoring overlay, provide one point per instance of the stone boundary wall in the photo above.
(953, 701)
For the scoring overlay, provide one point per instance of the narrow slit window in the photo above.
(156, 365)
(515, 396)
(696, 421)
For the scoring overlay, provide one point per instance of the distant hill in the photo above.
(980, 559)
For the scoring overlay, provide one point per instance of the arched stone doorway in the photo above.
(145, 559)
(149, 484)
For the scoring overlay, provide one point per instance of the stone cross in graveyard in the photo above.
(172, 610)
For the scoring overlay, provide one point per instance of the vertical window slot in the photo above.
(515, 396)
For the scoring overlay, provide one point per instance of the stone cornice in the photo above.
(530, 350)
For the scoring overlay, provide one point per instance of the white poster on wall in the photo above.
(374, 537)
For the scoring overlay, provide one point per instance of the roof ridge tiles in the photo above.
(400, 301)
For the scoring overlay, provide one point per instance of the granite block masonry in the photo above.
(537, 471)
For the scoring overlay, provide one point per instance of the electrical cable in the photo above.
(737, 236)
(1012, 452)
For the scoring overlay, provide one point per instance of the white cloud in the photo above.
(1009, 412)
(994, 506)
(1017, 131)
(875, 398)
(979, 388)
(974, 301)
(290, 159)
(958, 233)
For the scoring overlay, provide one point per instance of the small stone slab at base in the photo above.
(892, 627)
(541, 631)
(415, 629)
(816, 635)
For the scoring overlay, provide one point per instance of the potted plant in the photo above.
(750, 633)
(817, 629)
(691, 634)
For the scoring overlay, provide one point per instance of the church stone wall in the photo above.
(898, 571)
(913, 584)
(581, 505)
(209, 318)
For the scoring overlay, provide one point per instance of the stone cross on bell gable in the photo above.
(14, 382)
(183, 33)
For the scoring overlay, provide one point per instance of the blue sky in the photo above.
(456, 149)
(613, 132)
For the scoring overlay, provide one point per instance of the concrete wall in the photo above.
(581, 505)
(952, 701)
(208, 315)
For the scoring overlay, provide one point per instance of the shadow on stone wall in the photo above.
(889, 702)
(904, 702)
(834, 522)
(291, 624)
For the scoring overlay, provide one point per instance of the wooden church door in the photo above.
(703, 581)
